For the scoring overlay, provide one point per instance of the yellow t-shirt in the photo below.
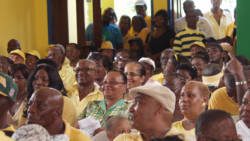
(230, 30)
(3, 137)
(148, 21)
(158, 77)
(220, 100)
(142, 34)
(17, 118)
(67, 74)
(75, 134)
(178, 129)
(133, 136)
(69, 111)
(129, 137)
(126, 38)
(81, 104)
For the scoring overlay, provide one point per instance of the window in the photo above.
(127, 7)
(205, 5)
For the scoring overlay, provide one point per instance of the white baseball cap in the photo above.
(140, 2)
(158, 92)
(148, 61)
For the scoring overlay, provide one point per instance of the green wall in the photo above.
(243, 28)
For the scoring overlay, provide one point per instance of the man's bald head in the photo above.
(13, 44)
(50, 94)
(45, 106)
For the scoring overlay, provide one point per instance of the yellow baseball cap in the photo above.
(34, 53)
(18, 52)
(198, 43)
(107, 45)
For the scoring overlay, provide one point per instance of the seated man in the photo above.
(215, 125)
(165, 55)
(152, 112)
(46, 108)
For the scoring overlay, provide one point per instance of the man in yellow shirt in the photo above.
(230, 97)
(45, 108)
(85, 89)
(57, 54)
(165, 55)
(152, 112)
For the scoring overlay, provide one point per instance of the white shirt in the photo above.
(243, 131)
(203, 26)
(219, 30)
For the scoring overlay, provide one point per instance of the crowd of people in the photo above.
(146, 82)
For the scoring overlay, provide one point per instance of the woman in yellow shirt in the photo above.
(193, 101)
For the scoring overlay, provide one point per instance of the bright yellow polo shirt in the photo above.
(220, 100)
(81, 104)
(133, 136)
(17, 117)
(158, 77)
(3, 137)
(230, 29)
(129, 137)
(148, 21)
(69, 111)
(142, 34)
(178, 129)
(67, 74)
(75, 134)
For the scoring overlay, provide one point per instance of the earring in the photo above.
(204, 104)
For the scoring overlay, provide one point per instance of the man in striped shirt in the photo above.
(185, 38)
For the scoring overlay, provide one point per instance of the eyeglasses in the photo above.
(112, 83)
(84, 69)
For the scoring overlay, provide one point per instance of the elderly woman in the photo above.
(114, 89)
(193, 101)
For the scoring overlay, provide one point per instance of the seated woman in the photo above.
(19, 73)
(193, 101)
(114, 89)
(47, 76)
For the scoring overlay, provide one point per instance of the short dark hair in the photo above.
(202, 55)
(179, 59)
(106, 62)
(164, 14)
(78, 47)
(20, 67)
(208, 119)
(192, 71)
(127, 18)
(215, 44)
(141, 19)
(124, 77)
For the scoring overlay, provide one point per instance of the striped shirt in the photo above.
(184, 39)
